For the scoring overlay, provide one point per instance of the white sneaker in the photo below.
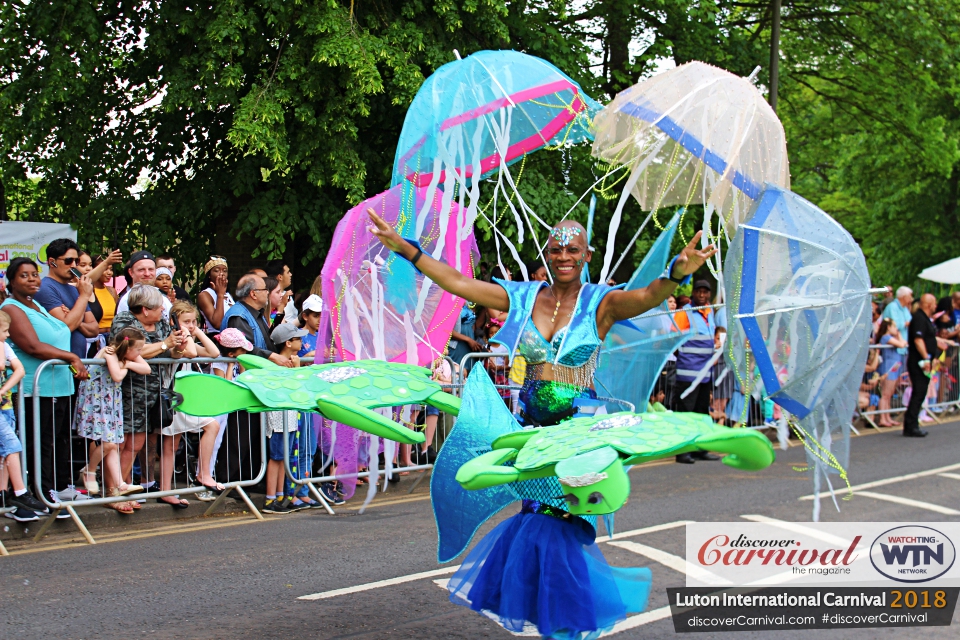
(206, 496)
(70, 494)
(924, 418)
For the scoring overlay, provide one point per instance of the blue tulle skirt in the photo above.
(540, 573)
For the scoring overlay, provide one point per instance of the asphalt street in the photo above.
(235, 577)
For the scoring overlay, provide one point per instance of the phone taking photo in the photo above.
(174, 322)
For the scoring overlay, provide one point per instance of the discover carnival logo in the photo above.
(912, 553)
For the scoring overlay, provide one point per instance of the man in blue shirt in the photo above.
(899, 310)
(66, 297)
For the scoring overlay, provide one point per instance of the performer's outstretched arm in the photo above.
(446, 277)
(622, 305)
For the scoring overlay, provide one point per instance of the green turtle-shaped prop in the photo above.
(588, 455)
(345, 392)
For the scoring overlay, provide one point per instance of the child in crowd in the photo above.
(27, 508)
(232, 344)
(498, 367)
(282, 496)
(100, 411)
(310, 320)
(164, 282)
(442, 373)
(186, 315)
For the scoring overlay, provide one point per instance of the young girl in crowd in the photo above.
(232, 345)
(100, 411)
(310, 320)
(498, 367)
(187, 317)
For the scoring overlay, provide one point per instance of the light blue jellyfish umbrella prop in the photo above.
(798, 296)
(634, 352)
(472, 119)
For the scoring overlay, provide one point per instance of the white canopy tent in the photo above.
(945, 273)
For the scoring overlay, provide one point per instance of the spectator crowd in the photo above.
(111, 429)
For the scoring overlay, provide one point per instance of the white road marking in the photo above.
(380, 583)
(886, 481)
(638, 620)
(910, 503)
(673, 562)
(796, 527)
(952, 476)
(638, 532)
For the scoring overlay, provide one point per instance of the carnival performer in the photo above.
(557, 327)
(557, 581)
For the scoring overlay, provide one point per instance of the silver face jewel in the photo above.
(339, 374)
(617, 421)
(564, 235)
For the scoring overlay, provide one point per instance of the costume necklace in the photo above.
(556, 309)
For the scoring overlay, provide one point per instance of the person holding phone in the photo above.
(65, 293)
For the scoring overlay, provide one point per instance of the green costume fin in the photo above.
(749, 450)
(256, 362)
(515, 440)
(487, 470)
(368, 420)
(445, 402)
(206, 395)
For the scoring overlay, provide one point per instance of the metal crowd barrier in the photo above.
(445, 424)
(944, 395)
(148, 461)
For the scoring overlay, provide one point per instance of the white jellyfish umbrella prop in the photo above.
(695, 134)
(798, 303)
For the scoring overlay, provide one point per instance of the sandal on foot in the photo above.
(120, 507)
(127, 489)
(179, 504)
(89, 479)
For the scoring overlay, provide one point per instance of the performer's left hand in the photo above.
(692, 257)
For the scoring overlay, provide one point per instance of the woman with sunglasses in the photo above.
(214, 299)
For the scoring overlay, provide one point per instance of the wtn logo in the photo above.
(905, 549)
(897, 554)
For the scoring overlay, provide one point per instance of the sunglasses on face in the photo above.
(68, 261)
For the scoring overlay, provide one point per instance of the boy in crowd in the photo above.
(282, 496)
(27, 508)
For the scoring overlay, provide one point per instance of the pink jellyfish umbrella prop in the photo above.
(378, 305)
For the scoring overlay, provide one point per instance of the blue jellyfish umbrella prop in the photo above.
(634, 352)
(472, 119)
(798, 296)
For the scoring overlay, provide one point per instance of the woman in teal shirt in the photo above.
(38, 336)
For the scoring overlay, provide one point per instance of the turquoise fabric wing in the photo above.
(634, 352)
(458, 512)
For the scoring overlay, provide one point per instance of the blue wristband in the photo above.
(668, 273)
(419, 253)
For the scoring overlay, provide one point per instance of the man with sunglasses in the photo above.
(65, 295)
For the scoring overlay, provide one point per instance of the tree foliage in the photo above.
(159, 124)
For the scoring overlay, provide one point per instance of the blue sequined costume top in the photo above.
(572, 352)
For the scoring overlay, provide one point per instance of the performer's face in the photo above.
(567, 252)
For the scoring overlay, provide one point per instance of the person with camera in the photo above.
(65, 293)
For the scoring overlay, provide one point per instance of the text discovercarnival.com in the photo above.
(758, 576)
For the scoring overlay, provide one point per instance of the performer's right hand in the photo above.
(384, 232)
